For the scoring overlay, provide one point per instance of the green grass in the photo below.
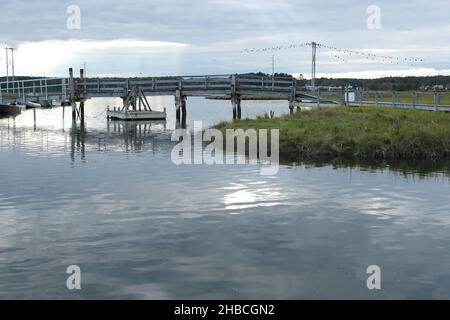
(375, 133)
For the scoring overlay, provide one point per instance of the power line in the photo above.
(339, 52)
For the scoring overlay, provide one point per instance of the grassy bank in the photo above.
(358, 133)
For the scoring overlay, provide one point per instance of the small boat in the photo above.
(45, 104)
(31, 105)
(10, 109)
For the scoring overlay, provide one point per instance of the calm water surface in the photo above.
(109, 200)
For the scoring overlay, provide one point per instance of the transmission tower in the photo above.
(313, 65)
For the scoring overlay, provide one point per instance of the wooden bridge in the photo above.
(76, 90)
(233, 87)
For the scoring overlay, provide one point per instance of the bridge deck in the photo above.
(233, 86)
(193, 86)
(219, 85)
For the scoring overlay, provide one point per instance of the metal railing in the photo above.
(429, 100)
(28, 89)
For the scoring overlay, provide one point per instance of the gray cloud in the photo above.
(217, 30)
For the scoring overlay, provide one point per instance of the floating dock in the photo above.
(135, 107)
(136, 115)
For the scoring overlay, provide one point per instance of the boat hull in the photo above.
(45, 104)
(6, 109)
(31, 105)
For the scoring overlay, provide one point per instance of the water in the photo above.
(141, 227)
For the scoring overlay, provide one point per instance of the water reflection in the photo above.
(252, 195)
(128, 136)
(106, 196)
(136, 134)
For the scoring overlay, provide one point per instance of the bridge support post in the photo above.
(235, 99)
(82, 110)
(236, 105)
(74, 111)
(233, 105)
(180, 105)
(71, 94)
(183, 110)
(82, 101)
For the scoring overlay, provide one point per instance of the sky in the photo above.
(168, 37)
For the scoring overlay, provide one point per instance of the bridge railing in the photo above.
(91, 86)
(27, 89)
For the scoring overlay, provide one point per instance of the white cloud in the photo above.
(50, 57)
(198, 37)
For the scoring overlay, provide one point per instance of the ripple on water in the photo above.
(142, 227)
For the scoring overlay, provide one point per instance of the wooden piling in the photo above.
(183, 106)
(178, 104)
(238, 107)
(233, 105)
(82, 110)
(72, 94)
(233, 95)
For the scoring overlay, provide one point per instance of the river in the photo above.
(110, 200)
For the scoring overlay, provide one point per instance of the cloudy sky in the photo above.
(178, 37)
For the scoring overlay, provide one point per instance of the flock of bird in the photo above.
(340, 54)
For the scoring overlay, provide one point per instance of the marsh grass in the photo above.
(375, 133)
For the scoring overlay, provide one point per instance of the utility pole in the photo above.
(273, 66)
(313, 65)
(7, 69)
(12, 62)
